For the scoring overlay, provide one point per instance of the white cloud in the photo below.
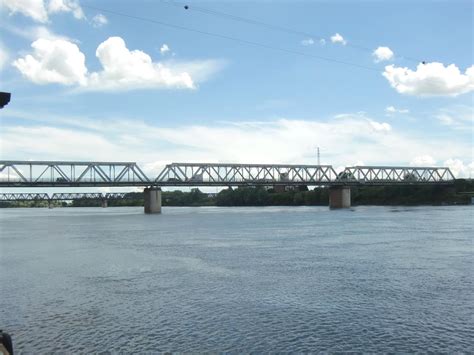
(99, 20)
(125, 69)
(72, 6)
(459, 168)
(430, 79)
(459, 117)
(60, 61)
(361, 116)
(307, 42)
(423, 160)
(53, 61)
(382, 54)
(66, 140)
(39, 10)
(337, 38)
(32, 33)
(380, 126)
(445, 119)
(392, 110)
(343, 140)
(38, 32)
(32, 8)
(164, 49)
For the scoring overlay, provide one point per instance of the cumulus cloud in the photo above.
(382, 54)
(72, 6)
(44, 32)
(32, 8)
(337, 38)
(307, 42)
(61, 61)
(459, 168)
(99, 20)
(239, 142)
(430, 79)
(392, 110)
(343, 140)
(39, 10)
(423, 160)
(123, 68)
(53, 61)
(164, 49)
(380, 126)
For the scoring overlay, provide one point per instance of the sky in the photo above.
(368, 82)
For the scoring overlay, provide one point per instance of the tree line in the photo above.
(301, 196)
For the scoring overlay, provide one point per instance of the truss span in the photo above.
(63, 196)
(60, 173)
(90, 174)
(244, 174)
(383, 175)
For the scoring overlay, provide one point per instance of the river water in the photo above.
(238, 279)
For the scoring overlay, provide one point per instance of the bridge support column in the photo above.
(104, 203)
(339, 197)
(50, 204)
(152, 200)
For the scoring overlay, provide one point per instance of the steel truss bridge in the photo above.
(96, 174)
(64, 196)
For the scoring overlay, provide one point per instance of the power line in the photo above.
(234, 39)
(269, 25)
(241, 19)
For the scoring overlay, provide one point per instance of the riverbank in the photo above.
(409, 195)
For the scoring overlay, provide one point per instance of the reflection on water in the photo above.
(240, 279)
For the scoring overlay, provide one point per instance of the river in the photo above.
(289, 279)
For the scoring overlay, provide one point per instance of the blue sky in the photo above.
(92, 84)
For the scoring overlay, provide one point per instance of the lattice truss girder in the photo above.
(63, 196)
(71, 172)
(375, 174)
(26, 196)
(25, 173)
(227, 174)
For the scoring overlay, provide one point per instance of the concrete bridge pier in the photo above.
(104, 203)
(50, 204)
(152, 200)
(339, 197)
